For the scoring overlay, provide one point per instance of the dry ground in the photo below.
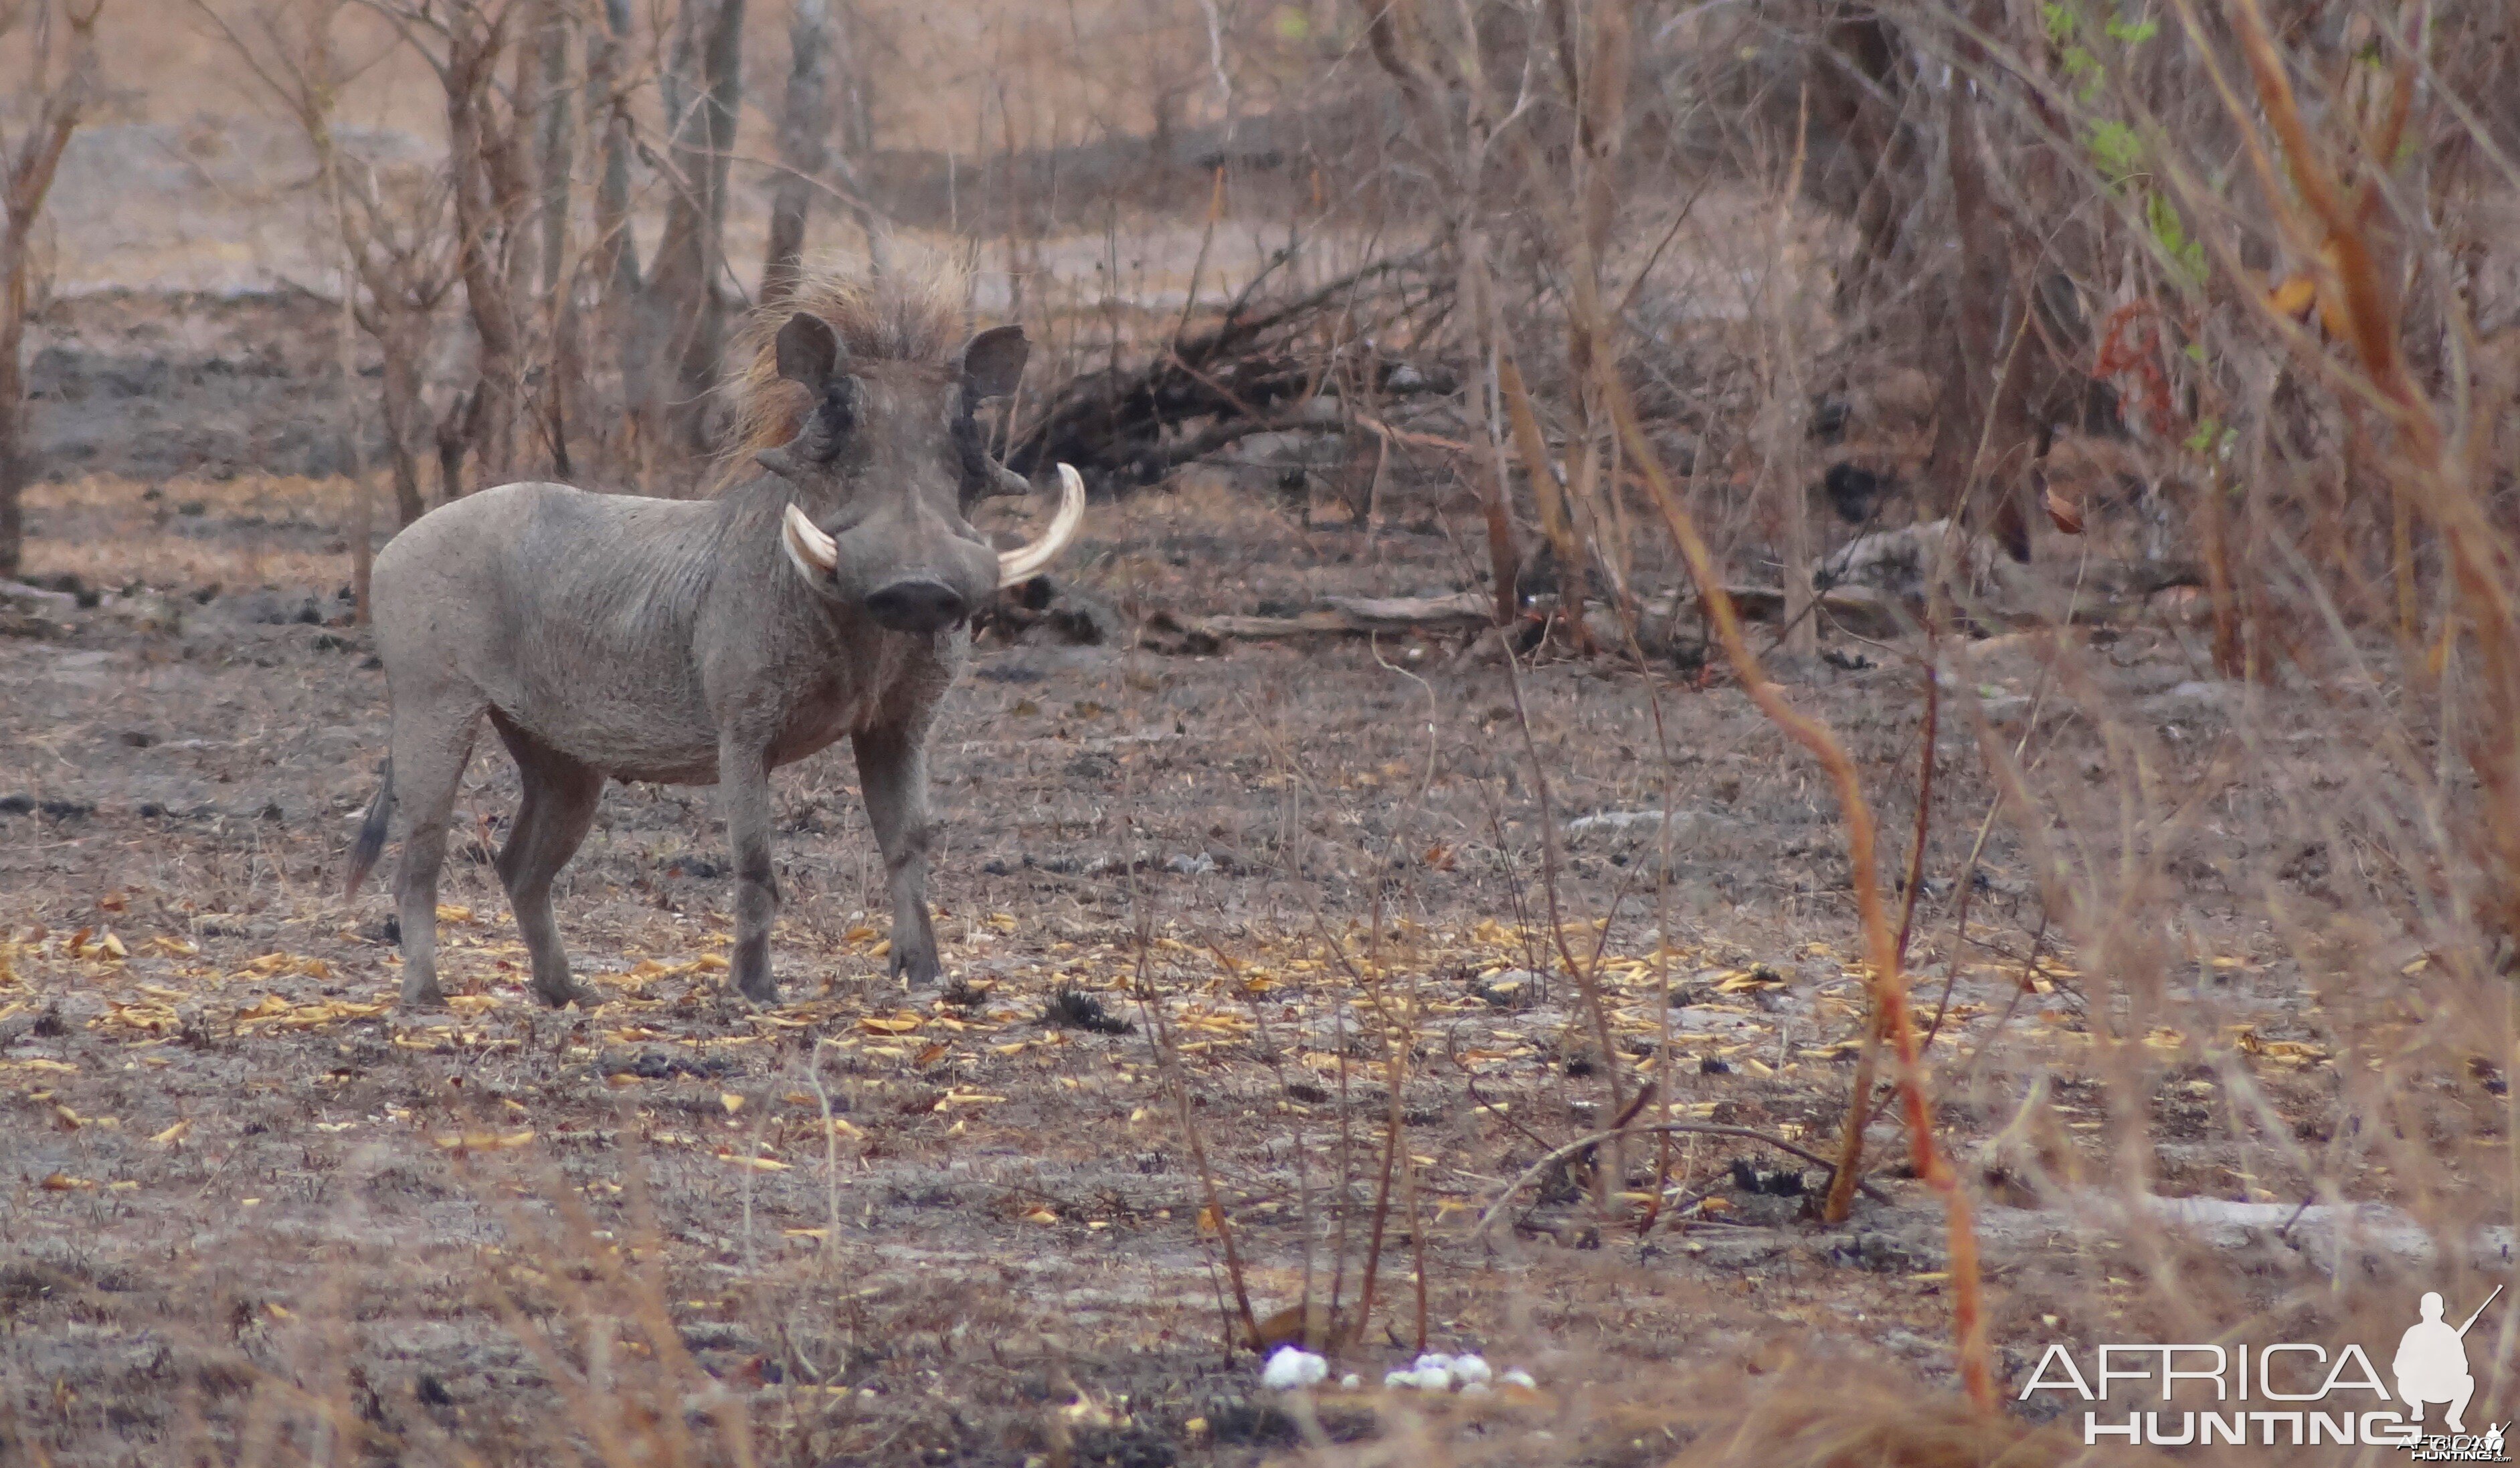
(232, 1171)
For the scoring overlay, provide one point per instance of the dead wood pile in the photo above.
(1311, 362)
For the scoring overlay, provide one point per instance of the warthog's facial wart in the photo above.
(885, 467)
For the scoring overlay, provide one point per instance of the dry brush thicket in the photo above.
(1930, 333)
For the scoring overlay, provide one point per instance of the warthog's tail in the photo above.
(372, 832)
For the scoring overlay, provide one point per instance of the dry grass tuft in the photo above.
(1834, 1420)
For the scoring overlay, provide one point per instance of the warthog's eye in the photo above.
(836, 416)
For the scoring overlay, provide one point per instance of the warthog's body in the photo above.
(699, 641)
(634, 632)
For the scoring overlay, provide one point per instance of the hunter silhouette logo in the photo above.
(2431, 1365)
(2284, 1393)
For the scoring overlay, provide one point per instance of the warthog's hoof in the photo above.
(562, 996)
(424, 995)
(763, 991)
(920, 968)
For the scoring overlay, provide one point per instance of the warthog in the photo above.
(692, 642)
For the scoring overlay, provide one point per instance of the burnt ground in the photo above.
(240, 1192)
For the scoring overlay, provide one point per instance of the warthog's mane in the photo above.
(914, 318)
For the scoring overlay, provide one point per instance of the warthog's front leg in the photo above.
(892, 765)
(744, 787)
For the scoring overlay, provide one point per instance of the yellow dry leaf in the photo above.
(63, 1183)
(712, 962)
(2332, 315)
(897, 1025)
(805, 1232)
(472, 1004)
(484, 1141)
(2294, 295)
(1041, 1215)
(112, 945)
(731, 1101)
(965, 1098)
(450, 913)
(859, 934)
(175, 1134)
(760, 1164)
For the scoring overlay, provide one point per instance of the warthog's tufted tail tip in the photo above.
(371, 840)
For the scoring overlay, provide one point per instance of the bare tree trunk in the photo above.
(400, 406)
(30, 167)
(614, 257)
(684, 318)
(475, 152)
(1983, 398)
(804, 128)
(551, 144)
(15, 469)
(563, 388)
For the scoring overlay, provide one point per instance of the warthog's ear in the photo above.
(809, 351)
(993, 362)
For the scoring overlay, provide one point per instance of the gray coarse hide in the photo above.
(705, 640)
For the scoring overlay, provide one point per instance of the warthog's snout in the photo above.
(917, 604)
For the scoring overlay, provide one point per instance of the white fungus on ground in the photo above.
(1432, 1360)
(1469, 1370)
(1351, 1382)
(1291, 1367)
(1430, 1379)
(1517, 1377)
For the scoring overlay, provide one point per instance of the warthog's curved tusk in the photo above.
(1023, 563)
(816, 555)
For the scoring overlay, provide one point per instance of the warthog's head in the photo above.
(887, 463)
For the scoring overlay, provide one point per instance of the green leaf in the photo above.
(2187, 254)
(2133, 32)
(2116, 150)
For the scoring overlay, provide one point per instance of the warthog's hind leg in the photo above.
(432, 740)
(892, 765)
(558, 805)
(743, 788)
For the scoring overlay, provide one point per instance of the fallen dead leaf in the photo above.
(482, 1142)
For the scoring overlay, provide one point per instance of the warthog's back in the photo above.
(572, 614)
